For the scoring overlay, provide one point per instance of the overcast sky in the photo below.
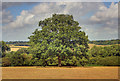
(98, 19)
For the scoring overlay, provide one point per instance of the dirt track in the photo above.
(60, 73)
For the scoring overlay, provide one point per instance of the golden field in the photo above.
(91, 45)
(15, 48)
(59, 73)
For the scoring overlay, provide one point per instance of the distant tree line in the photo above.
(18, 43)
(105, 42)
(97, 42)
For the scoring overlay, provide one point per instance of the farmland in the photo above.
(71, 72)
(59, 73)
(15, 48)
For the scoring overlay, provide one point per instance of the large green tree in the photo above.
(59, 36)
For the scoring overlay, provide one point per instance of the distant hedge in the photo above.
(107, 61)
(105, 42)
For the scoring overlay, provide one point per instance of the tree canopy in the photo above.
(60, 36)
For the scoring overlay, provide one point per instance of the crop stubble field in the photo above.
(59, 73)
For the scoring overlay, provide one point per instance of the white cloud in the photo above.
(103, 18)
(44, 10)
(105, 14)
(108, 18)
(21, 21)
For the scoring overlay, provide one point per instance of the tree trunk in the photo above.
(59, 61)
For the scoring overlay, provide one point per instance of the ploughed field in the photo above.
(36, 72)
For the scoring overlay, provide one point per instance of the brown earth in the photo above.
(59, 73)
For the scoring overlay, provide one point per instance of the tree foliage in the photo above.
(4, 47)
(60, 37)
(105, 56)
(105, 51)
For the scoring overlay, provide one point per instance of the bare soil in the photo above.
(59, 73)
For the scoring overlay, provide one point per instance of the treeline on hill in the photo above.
(105, 42)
